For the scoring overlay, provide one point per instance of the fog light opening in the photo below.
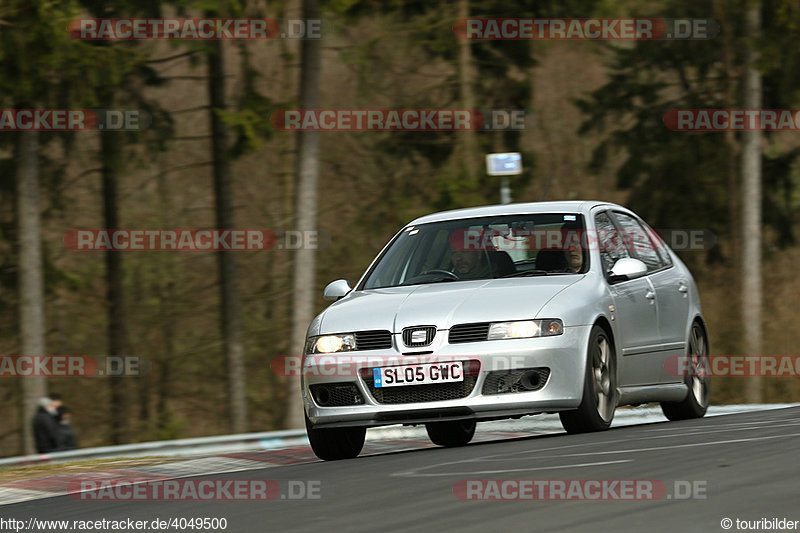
(530, 381)
(323, 396)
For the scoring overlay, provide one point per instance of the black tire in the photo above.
(336, 443)
(596, 411)
(695, 404)
(451, 434)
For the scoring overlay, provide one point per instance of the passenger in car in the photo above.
(557, 260)
(566, 258)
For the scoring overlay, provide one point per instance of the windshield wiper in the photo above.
(527, 273)
(434, 280)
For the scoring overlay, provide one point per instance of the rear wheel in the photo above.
(596, 410)
(451, 434)
(699, 382)
(336, 443)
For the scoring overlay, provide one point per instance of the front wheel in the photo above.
(451, 434)
(696, 402)
(336, 443)
(599, 401)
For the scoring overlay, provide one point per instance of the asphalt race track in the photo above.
(743, 466)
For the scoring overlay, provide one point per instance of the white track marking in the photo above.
(415, 473)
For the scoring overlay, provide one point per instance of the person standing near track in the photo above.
(45, 426)
(66, 435)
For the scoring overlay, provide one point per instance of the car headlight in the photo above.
(523, 329)
(343, 342)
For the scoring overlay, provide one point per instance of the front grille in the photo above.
(430, 333)
(517, 380)
(433, 392)
(373, 340)
(469, 332)
(336, 394)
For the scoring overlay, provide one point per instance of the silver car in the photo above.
(503, 311)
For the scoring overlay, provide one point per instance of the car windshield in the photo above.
(482, 248)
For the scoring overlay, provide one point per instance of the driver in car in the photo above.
(469, 261)
(573, 249)
(470, 264)
(574, 258)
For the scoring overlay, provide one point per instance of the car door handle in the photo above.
(650, 295)
(683, 288)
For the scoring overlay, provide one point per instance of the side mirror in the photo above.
(336, 290)
(626, 269)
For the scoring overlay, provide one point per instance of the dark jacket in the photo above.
(45, 431)
(66, 437)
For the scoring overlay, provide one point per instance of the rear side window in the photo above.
(611, 246)
(643, 245)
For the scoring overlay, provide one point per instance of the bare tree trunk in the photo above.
(730, 136)
(143, 385)
(166, 298)
(165, 288)
(31, 276)
(290, 9)
(110, 146)
(281, 265)
(229, 285)
(466, 71)
(306, 216)
(751, 207)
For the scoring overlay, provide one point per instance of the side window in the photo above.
(643, 246)
(661, 246)
(611, 246)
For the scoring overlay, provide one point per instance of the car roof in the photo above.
(571, 206)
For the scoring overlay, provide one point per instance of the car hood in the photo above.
(442, 304)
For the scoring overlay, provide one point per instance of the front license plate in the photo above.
(422, 374)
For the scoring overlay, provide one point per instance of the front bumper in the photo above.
(563, 355)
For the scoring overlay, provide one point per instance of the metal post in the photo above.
(505, 191)
(503, 165)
